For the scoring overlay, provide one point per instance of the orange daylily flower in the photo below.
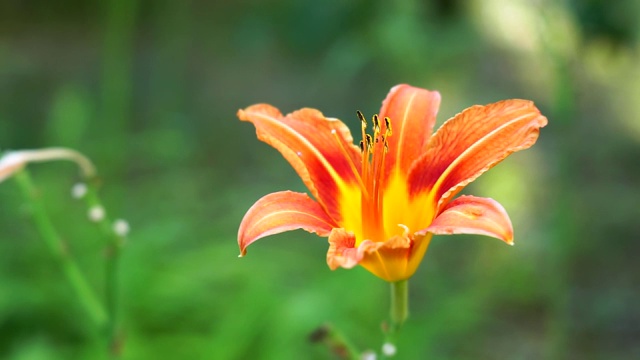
(380, 203)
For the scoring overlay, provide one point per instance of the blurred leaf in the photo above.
(70, 113)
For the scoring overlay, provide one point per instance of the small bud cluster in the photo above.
(97, 213)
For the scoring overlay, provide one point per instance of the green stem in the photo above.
(111, 289)
(399, 304)
(399, 312)
(114, 244)
(59, 250)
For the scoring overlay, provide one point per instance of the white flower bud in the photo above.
(96, 213)
(79, 190)
(9, 164)
(388, 349)
(368, 355)
(121, 227)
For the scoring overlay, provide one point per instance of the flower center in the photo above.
(374, 148)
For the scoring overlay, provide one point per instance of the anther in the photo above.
(369, 140)
(362, 145)
(387, 124)
(376, 123)
(362, 118)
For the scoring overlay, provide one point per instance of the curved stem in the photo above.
(59, 250)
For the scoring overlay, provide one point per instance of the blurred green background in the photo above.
(149, 91)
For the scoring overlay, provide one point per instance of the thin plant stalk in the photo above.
(114, 244)
(59, 250)
(399, 303)
(399, 313)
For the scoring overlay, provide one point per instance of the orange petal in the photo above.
(321, 150)
(342, 252)
(279, 212)
(473, 215)
(395, 259)
(471, 143)
(392, 260)
(413, 114)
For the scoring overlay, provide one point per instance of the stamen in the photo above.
(374, 148)
(387, 124)
(369, 144)
(364, 197)
(362, 118)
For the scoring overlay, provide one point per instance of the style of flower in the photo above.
(379, 203)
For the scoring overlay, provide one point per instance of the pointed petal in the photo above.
(471, 143)
(321, 150)
(473, 215)
(279, 212)
(413, 114)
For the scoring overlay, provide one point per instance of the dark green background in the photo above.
(149, 91)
